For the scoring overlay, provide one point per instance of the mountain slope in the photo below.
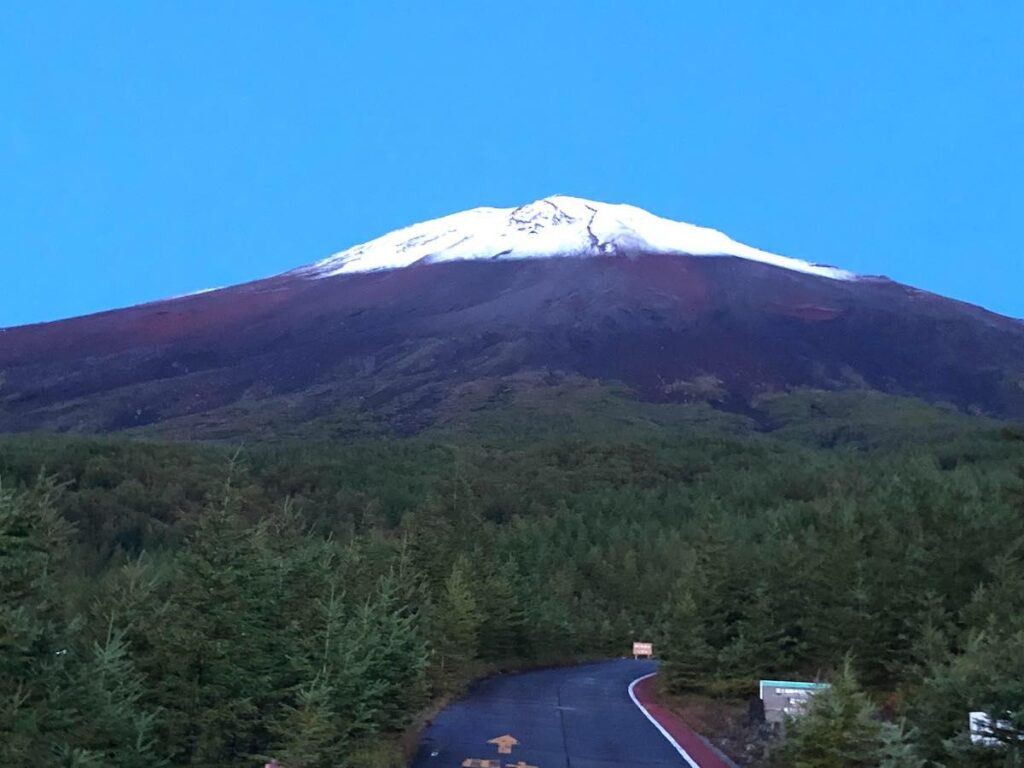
(399, 341)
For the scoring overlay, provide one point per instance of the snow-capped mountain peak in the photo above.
(557, 226)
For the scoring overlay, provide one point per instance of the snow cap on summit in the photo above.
(557, 226)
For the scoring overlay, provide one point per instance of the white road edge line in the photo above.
(690, 761)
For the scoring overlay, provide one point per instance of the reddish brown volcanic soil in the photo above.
(416, 333)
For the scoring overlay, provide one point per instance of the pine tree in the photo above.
(133, 600)
(111, 720)
(458, 624)
(309, 732)
(214, 650)
(502, 634)
(37, 640)
(839, 728)
(899, 749)
(397, 654)
(689, 661)
(986, 676)
(334, 697)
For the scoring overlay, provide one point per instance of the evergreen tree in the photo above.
(459, 619)
(502, 633)
(309, 731)
(335, 698)
(111, 722)
(689, 662)
(986, 676)
(899, 749)
(397, 653)
(37, 640)
(839, 728)
(214, 651)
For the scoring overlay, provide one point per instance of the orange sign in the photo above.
(643, 649)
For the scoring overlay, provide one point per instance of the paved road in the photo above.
(577, 717)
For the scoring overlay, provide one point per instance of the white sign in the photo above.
(983, 730)
(643, 649)
(787, 698)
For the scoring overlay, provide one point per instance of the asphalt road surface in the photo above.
(576, 717)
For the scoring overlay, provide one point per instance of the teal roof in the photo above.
(791, 684)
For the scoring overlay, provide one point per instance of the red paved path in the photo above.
(699, 752)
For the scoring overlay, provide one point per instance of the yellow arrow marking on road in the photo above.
(472, 762)
(505, 743)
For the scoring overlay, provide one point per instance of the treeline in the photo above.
(914, 574)
(249, 641)
(184, 605)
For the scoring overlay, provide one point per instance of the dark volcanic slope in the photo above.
(414, 334)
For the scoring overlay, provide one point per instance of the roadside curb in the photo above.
(693, 748)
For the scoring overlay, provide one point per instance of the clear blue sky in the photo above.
(149, 149)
